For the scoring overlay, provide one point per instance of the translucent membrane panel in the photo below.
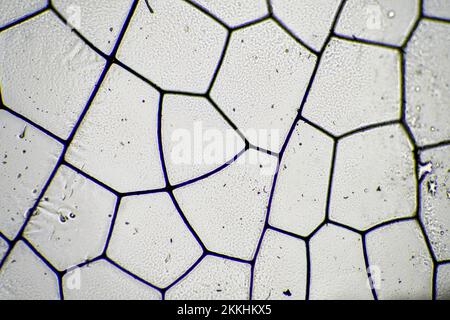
(437, 8)
(18, 9)
(3, 248)
(443, 282)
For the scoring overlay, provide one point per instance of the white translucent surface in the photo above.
(309, 20)
(299, 201)
(437, 8)
(117, 141)
(56, 76)
(3, 248)
(280, 269)
(214, 279)
(262, 81)
(338, 270)
(27, 158)
(386, 21)
(71, 223)
(428, 82)
(369, 186)
(399, 252)
(25, 277)
(235, 12)
(17, 9)
(187, 57)
(103, 281)
(443, 282)
(362, 83)
(151, 240)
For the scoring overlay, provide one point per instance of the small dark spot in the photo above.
(287, 293)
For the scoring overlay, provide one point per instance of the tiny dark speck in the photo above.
(287, 293)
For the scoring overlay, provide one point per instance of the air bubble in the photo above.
(391, 14)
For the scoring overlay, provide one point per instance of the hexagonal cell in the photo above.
(428, 82)
(374, 178)
(214, 279)
(195, 138)
(101, 280)
(15, 10)
(338, 269)
(27, 159)
(3, 248)
(192, 46)
(235, 13)
(299, 200)
(437, 8)
(228, 209)
(99, 21)
(261, 83)
(435, 196)
(362, 83)
(55, 78)
(71, 223)
(383, 21)
(400, 255)
(443, 282)
(151, 240)
(280, 268)
(117, 142)
(26, 277)
(308, 20)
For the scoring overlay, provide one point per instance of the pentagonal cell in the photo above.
(56, 74)
(196, 139)
(228, 209)
(338, 269)
(400, 262)
(15, 10)
(27, 158)
(235, 13)
(117, 142)
(280, 269)
(101, 280)
(214, 279)
(99, 21)
(308, 20)
(3, 248)
(443, 282)
(383, 21)
(435, 200)
(151, 240)
(362, 83)
(299, 200)
(428, 82)
(437, 8)
(262, 81)
(174, 45)
(26, 277)
(374, 178)
(71, 222)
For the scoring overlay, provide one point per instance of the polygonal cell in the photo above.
(428, 82)
(214, 279)
(15, 10)
(27, 158)
(374, 178)
(26, 277)
(55, 78)
(362, 83)
(228, 209)
(235, 13)
(338, 270)
(117, 142)
(3, 248)
(401, 266)
(174, 45)
(437, 8)
(435, 204)
(99, 21)
(196, 139)
(300, 196)
(151, 240)
(72, 221)
(103, 281)
(308, 20)
(385, 21)
(443, 282)
(262, 81)
(280, 269)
